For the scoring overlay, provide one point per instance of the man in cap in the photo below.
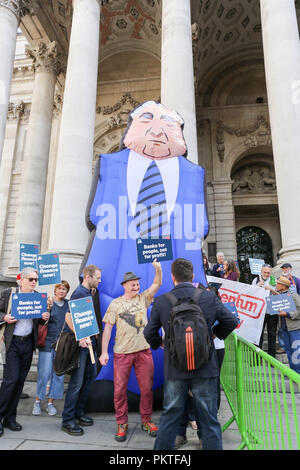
(286, 269)
(129, 313)
(290, 325)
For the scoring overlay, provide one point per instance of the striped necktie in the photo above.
(151, 215)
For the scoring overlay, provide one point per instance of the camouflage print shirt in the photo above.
(130, 318)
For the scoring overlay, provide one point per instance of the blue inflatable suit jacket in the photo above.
(117, 254)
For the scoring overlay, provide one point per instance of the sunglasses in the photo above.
(31, 279)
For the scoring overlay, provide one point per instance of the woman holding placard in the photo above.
(59, 308)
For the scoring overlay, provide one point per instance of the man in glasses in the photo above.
(20, 339)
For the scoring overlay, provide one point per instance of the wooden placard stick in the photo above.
(92, 356)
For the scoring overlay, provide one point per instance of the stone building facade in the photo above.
(70, 72)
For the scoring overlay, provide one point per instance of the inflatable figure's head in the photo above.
(155, 132)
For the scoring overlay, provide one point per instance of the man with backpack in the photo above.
(187, 315)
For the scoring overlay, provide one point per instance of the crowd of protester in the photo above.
(189, 397)
(283, 328)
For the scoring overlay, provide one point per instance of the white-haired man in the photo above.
(20, 339)
(218, 268)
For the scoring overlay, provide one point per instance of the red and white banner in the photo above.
(250, 302)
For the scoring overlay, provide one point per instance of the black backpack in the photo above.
(189, 343)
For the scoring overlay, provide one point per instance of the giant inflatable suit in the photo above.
(153, 142)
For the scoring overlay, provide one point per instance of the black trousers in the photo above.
(271, 322)
(18, 362)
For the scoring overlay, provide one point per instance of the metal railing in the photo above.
(264, 397)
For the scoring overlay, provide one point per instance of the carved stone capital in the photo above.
(16, 111)
(45, 57)
(19, 7)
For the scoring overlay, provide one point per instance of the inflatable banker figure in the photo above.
(146, 190)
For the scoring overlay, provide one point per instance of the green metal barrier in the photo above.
(264, 397)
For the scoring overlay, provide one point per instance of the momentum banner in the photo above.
(250, 302)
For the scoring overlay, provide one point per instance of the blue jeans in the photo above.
(291, 345)
(46, 374)
(189, 415)
(205, 393)
(81, 380)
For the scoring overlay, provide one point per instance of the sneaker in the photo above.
(37, 408)
(121, 433)
(150, 428)
(180, 441)
(51, 410)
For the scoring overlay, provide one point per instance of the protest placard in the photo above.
(84, 320)
(26, 306)
(49, 269)
(256, 265)
(280, 302)
(28, 254)
(232, 307)
(149, 249)
(250, 302)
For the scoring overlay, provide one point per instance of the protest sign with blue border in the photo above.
(25, 306)
(49, 269)
(280, 302)
(83, 317)
(256, 265)
(149, 249)
(28, 254)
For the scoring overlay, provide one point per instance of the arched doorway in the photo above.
(252, 242)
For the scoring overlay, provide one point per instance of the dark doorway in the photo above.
(252, 242)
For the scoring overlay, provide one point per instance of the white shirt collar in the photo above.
(136, 169)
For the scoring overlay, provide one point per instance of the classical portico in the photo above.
(87, 63)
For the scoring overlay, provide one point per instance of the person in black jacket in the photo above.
(218, 268)
(20, 341)
(202, 382)
(82, 378)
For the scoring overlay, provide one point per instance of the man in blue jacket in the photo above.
(81, 379)
(202, 382)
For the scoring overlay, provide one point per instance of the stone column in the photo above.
(282, 67)
(68, 232)
(9, 21)
(29, 217)
(225, 218)
(15, 112)
(177, 72)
